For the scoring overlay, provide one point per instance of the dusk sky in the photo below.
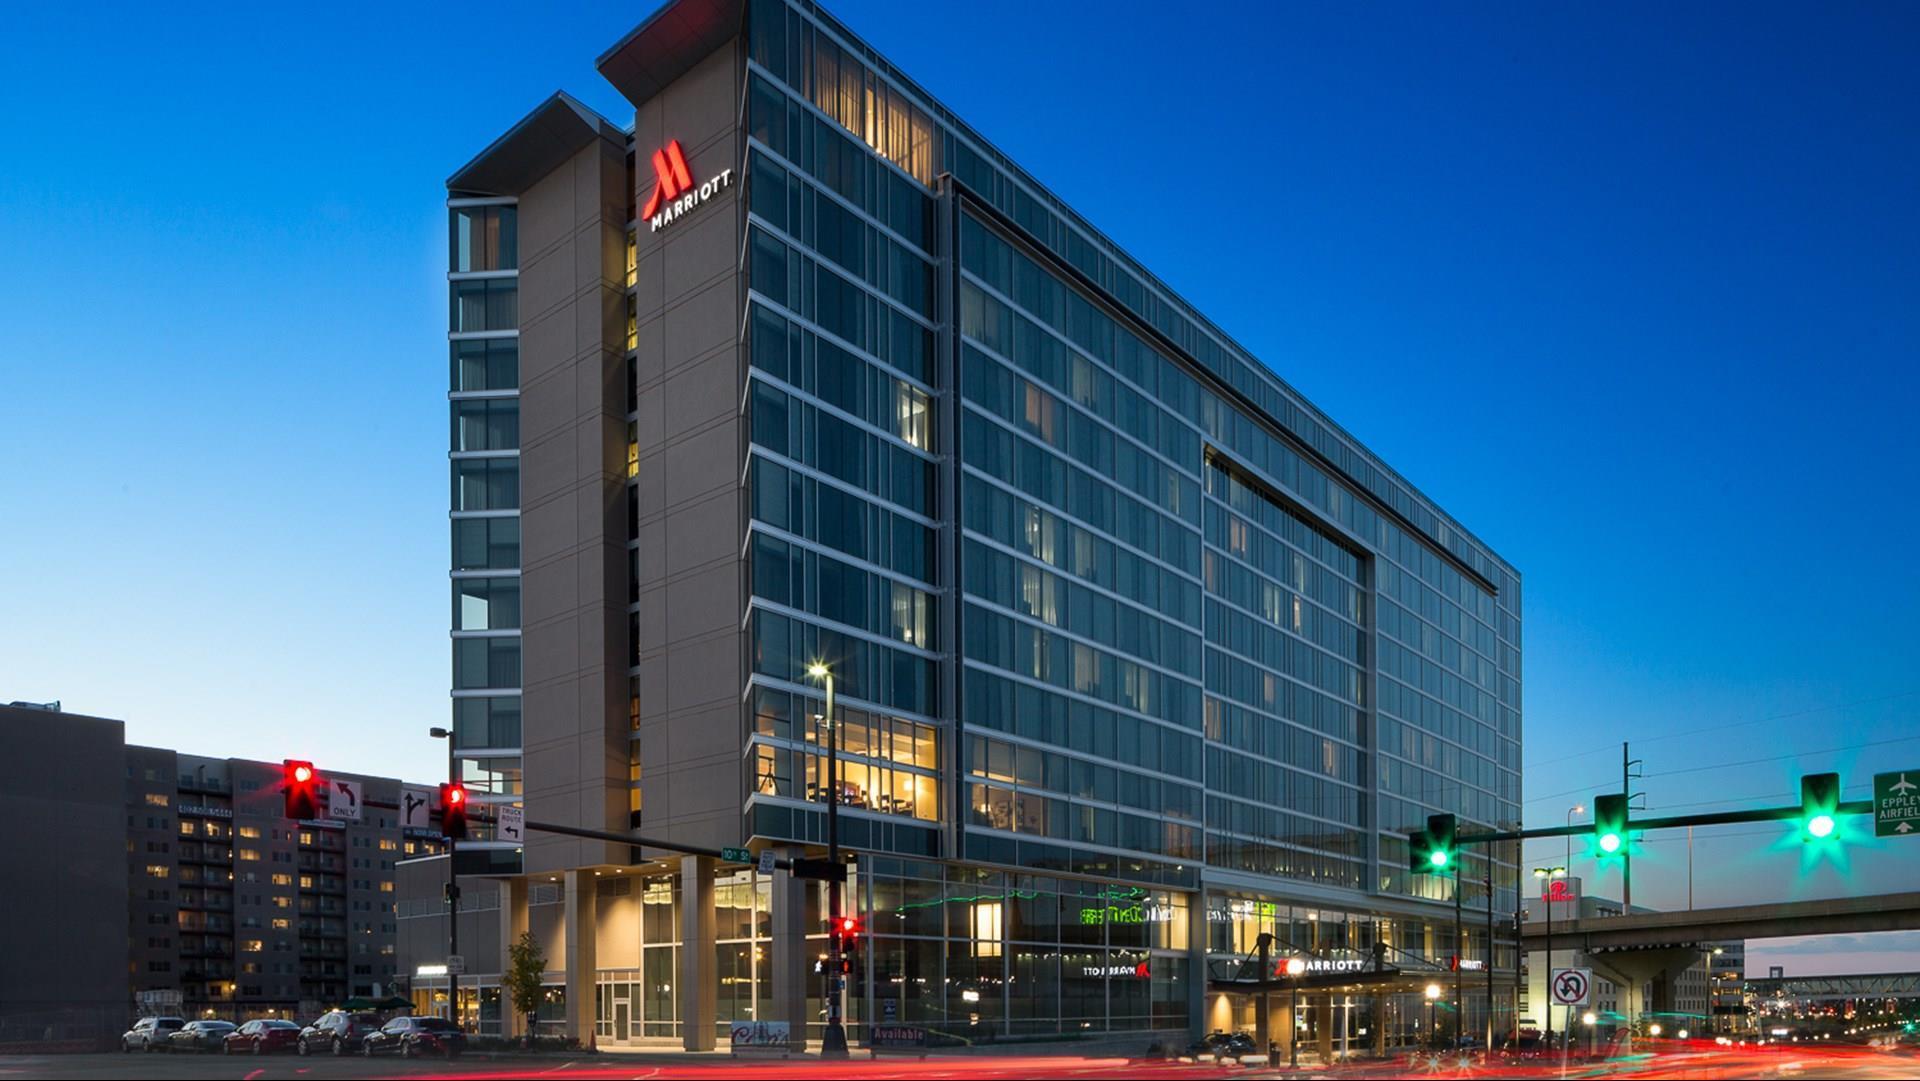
(1630, 290)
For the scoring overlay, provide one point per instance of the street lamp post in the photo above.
(453, 894)
(1433, 996)
(1547, 875)
(1296, 968)
(833, 1045)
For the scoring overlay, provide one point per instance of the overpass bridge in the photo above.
(1877, 985)
(1654, 930)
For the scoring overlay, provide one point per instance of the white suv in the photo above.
(150, 1032)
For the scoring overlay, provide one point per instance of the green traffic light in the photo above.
(1819, 802)
(1820, 825)
(1438, 859)
(1610, 843)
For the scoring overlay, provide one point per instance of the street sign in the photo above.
(416, 807)
(736, 855)
(1896, 804)
(820, 870)
(456, 964)
(510, 823)
(1569, 986)
(343, 800)
(766, 861)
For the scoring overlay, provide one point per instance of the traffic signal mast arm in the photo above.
(618, 838)
(1717, 818)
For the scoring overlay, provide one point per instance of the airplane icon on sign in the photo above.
(1903, 785)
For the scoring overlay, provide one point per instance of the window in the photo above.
(486, 364)
(158, 870)
(251, 833)
(910, 403)
(486, 722)
(485, 304)
(156, 799)
(486, 484)
(486, 662)
(486, 544)
(250, 945)
(486, 424)
(486, 604)
(483, 238)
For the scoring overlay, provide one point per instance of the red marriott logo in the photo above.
(674, 192)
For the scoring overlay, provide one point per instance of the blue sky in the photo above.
(1629, 290)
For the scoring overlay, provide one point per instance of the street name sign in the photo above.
(1896, 804)
(736, 855)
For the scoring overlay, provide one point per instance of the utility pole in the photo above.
(453, 892)
(1626, 843)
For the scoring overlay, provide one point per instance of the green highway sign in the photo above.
(1896, 804)
(736, 855)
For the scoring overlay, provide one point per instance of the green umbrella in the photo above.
(360, 1002)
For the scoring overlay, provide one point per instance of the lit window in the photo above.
(914, 414)
(251, 833)
(158, 870)
(155, 799)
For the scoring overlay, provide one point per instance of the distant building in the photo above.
(230, 909)
(64, 975)
(247, 913)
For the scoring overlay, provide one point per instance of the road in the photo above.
(1698, 1062)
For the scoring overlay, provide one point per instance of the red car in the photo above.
(262, 1038)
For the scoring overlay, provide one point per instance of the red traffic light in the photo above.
(453, 810)
(298, 785)
(847, 927)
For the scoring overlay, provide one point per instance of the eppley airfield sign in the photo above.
(1896, 804)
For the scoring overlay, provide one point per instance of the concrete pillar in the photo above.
(1279, 1023)
(1380, 1025)
(1323, 1020)
(698, 991)
(788, 952)
(513, 924)
(1197, 964)
(580, 965)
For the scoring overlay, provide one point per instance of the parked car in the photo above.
(411, 1036)
(200, 1036)
(262, 1037)
(338, 1031)
(149, 1033)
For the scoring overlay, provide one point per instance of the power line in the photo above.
(1742, 762)
(1732, 724)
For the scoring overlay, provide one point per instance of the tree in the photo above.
(526, 964)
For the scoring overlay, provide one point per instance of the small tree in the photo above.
(526, 964)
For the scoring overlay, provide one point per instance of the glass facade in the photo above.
(1150, 620)
(484, 451)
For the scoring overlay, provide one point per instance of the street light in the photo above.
(833, 1045)
(1433, 996)
(1296, 967)
(1547, 875)
(453, 889)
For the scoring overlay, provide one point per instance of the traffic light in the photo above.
(1819, 806)
(300, 784)
(1610, 824)
(453, 810)
(1431, 851)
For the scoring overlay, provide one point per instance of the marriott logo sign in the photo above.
(674, 192)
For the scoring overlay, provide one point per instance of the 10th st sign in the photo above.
(1896, 804)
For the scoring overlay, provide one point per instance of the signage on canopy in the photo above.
(674, 190)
